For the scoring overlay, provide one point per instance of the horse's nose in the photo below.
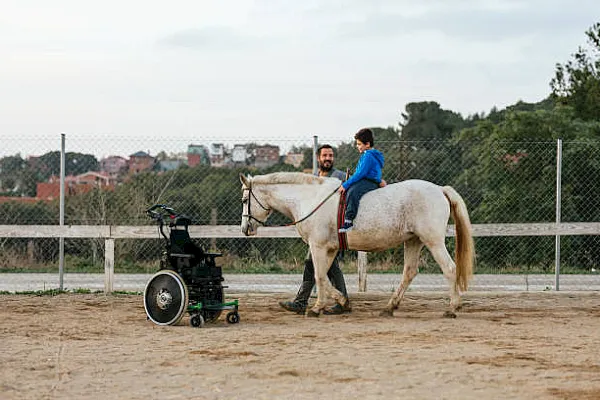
(246, 229)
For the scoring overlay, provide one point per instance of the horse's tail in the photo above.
(465, 247)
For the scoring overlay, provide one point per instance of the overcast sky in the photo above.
(270, 68)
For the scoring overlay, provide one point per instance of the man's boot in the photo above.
(337, 279)
(293, 306)
(338, 309)
(298, 305)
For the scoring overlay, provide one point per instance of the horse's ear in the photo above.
(244, 180)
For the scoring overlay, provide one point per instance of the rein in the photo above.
(291, 223)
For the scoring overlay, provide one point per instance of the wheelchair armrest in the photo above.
(181, 255)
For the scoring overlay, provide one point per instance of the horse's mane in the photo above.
(288, 177)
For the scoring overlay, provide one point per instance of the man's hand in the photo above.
(382, 183)
(341, 190)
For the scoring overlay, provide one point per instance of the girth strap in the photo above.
(343, 243)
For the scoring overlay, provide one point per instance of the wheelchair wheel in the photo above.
(165, 298)
(197, 321)
(233, 317)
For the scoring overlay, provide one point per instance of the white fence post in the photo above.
(109, 265)
(362, 271)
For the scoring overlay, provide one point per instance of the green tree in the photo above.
(428, 152)
(75, 163)
(577, 83)
(427, 121)
(510, 173)
(11, 173)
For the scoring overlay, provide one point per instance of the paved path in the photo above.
(238, 283)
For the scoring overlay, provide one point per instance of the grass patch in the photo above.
(127, 293)
(47, 292)
(377, 264)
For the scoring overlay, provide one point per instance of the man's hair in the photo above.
(323, 146)
(365, 135)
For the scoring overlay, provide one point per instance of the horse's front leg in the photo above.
(322, 260)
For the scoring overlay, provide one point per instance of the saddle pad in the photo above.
(340, 220)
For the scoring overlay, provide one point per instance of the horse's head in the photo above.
(254, 209)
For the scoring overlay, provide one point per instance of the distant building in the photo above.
(169, 165)
(113, 165)
(239, 154)
(92, 178)
(266, 156)
(197, 155)
(294, 159)
(140, 161)
(28, 200)
(217, 154)
(74, 185)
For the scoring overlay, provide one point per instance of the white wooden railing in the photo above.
(111, 232)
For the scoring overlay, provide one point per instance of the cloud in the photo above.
(477, 21)
(213, 38)
(272, 65)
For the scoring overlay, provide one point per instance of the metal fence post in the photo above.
(558, 204)
(315, 161)
(61, 240)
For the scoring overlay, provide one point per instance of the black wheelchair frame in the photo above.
(188, 279)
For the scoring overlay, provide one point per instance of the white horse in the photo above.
(412, 212)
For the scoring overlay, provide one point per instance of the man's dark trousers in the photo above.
(308, 280)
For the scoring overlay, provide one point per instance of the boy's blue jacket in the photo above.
(369, 166)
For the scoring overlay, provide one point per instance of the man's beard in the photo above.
(326, 166)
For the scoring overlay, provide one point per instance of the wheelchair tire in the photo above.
(165, 298)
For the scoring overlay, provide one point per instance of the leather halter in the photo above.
(249, 215)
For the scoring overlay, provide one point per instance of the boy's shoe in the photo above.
(346, 227)
(293, 306)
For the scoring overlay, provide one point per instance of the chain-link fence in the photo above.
(112, 181)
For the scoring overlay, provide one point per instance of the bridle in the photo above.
(250, 196)
(263, 223)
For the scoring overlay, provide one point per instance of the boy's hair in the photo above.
(323, 146)
(365, 135)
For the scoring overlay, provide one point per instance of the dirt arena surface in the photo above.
(541, 345)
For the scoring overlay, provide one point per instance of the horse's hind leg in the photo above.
(412, 252)
(442, 257)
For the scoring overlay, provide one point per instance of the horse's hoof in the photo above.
(312, 314)
(386, 313)
(449, 314)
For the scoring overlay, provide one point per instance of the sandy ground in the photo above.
(502, 346)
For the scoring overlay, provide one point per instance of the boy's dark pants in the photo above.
(308, 280)
(354, 194)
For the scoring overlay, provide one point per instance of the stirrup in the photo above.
(346, 227)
